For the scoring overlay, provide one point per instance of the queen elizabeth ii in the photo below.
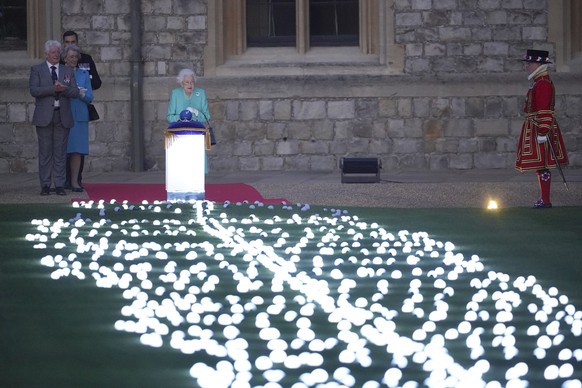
(189, 97)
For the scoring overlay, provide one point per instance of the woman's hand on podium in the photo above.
(194, 111)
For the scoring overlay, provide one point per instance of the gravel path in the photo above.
(420, 189)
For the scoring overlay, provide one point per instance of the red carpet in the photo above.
(136, 193)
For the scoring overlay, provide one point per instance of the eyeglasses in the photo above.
(188, 82)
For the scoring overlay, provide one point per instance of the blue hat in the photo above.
(185, 115)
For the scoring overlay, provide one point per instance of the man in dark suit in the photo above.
(85, 62)
(52, 85)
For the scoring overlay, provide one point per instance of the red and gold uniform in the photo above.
(533, 150)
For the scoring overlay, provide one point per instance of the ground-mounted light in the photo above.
(492, 205)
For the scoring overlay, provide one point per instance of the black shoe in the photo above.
(60, 191)
(540, 204)
(77, 189)
(45, 191)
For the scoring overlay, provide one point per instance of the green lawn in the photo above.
(288, 295)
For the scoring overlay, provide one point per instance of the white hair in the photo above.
(50, 43)
(71, 47)
(185, 72)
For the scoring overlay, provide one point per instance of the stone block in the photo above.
(512, 4)
(17, 113)
(438, 162)
(535, 33)
(457, 107)
(4, 166)
(434, 49)
(197, 22)
(110, 53)
(454, 49)
(406, 146)
(249, 163)
(461, 161)
(412, 161)
(405, 107)
(115, 7)
(272, 163)
(323, 130)
(323, 163)
(289, 147)
(358, 146)
(520, 17)
(493, 107)
(435, 18)
(414, 49)
(314, 147)
(460, 128)
(506, 144)
(510, 33)
(341, 109)
(495, 48)
(491, 160)
(474, 18)
(266, 110)
(418, 65)
(338, 147)
(445, 4)
(489, 4)
(515, 127)
(296, 163)
(242, 148)
(395, 128)
(454, 34)
(282, 110)
(421, 4)
(263, 148)
(380, 146)
(276, 131)
(535, 4)
(379, 129)
(408, 19)
(308, 110)
(232, 110)
(226, 163)
(175, 23)
(473, 49)
(482, 34)
(491, 127)
(300, 130)
(249, 110)
(152, 23)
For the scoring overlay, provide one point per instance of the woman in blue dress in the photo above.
(188, 97)
(78, 143)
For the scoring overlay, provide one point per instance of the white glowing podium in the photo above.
(185, 143)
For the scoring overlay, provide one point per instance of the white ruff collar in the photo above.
(537, 71)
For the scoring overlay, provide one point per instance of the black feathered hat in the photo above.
(537, 56)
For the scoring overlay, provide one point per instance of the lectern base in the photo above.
(185, 196)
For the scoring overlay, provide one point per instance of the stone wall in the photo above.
(469, 36)
(456, 106)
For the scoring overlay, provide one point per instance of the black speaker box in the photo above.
(360, 170)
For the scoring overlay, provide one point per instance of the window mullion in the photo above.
(302, 28)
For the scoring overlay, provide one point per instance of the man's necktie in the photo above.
(54, 77)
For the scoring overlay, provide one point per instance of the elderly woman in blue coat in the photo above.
(78, 142)
(189, 97)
